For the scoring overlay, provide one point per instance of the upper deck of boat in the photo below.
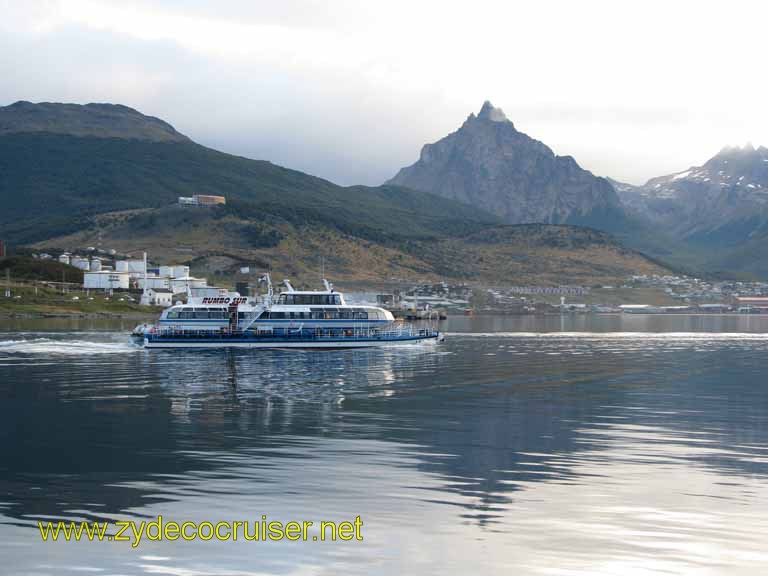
(306, 298)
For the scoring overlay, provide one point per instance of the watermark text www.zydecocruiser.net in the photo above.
(263, 530)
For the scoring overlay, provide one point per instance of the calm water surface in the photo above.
(557, 446)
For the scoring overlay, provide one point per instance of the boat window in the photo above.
(310, 299)
(173, 314)
(186, 314)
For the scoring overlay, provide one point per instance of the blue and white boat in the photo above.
(295, 319)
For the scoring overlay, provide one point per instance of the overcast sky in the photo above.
(351, 90)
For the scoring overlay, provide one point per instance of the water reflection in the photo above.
(561, 453)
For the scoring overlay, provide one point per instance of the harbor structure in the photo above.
(751, 304)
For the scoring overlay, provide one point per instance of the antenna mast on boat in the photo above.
(270, 292)
(145, 293)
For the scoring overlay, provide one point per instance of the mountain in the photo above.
(729, 189)
(489, 164)
(51, 183)
(97, 120)
(105, 175)
(718, 209)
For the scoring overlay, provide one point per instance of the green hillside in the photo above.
(105, 175)
(26, 268)
(51, 184)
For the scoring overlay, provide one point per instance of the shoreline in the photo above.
(79, 315)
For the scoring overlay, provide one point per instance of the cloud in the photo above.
(351, 90)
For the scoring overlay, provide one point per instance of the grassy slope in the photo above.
(214, 243)
(59, 190)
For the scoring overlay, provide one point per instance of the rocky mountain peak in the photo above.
(491, 113)
(489, 164)
(729, 193)
(741, 152)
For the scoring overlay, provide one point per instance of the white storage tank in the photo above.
(96, 264)
(82, 263)
(209, 292)
(64, 258)
(174, 271)
(132, 266)
(105, 280)
(155, 282)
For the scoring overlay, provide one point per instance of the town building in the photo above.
(186, 283)
(154, 282)
(202, 200)
(753, 304)
(160, 297)
(209, 292)
(106, 280)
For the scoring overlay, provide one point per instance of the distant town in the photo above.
(129, 278)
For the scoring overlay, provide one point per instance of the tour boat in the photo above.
(295, 319)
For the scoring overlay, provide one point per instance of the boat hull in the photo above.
(246, 342)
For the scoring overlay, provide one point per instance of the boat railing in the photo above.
(357, 333)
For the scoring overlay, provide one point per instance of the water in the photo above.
(581, 445)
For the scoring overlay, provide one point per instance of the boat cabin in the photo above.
(310, 299)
